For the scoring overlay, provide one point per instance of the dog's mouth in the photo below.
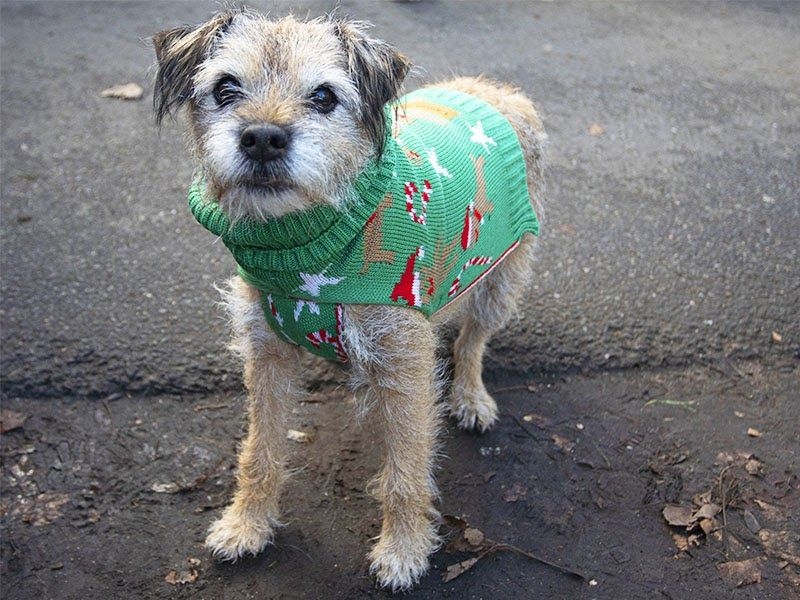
(268, 186)
(271, 180)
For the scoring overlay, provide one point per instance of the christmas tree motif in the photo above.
(373, 237)
(410, 189)
(477, 209)
(322, 336)
(408, 288)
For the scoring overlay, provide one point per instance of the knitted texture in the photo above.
(447, 201)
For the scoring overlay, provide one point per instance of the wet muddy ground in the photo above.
(110, 498)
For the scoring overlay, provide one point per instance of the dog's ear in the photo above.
(179, 51)
(378, 70)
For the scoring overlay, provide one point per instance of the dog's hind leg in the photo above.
(248, 524)
(488, 308)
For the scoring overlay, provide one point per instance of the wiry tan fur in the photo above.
(392, 350)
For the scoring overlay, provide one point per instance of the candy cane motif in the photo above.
(317, 338)
(274, 310)
(410, 189)
(472, 262)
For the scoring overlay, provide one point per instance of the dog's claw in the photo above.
(474, 411)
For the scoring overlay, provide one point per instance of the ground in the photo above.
(661, 327)
(113, 497)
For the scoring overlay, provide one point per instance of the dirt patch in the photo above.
(112, 498)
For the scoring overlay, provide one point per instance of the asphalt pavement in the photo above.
(672, 214)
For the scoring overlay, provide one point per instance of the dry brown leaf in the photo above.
(781, 544)
(753, 432)
(739, 573)
(11, 420)
(302, 437)
(777, 337)
(125, 91)
(771, 511)
(165, 488)
(41, 510)
(538, 420)
(708, 525)
(596, 129)
(681, 543)
(754, 466)
(458, 569)
(678, 516)
(706, 511)
(474, 536)
(515, 492)
(175, 578)
(563, 443)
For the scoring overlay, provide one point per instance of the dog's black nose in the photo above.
(263, 143)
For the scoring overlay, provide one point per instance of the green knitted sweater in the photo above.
(445, 203)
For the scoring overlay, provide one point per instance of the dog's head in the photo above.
(283, 114)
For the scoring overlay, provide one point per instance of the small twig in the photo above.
(723, 503)
(203, 407)
(512, 388)
(552, 565)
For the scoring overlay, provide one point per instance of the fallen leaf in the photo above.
(125, 91)
(754, 466)
(771, 511)
(165, 488)
(458, 569)
(10, 420)
(596, 129)
(751, 521)
(563, 443)
(708, 525)
(538, 420)
(777, 337)
(43, 509)
(301, 437)
(175, 578)
(515, 492)
(474, 536)
(739, 573)
(781, 544)
(193, 562)
(739, 414)
(754, 432)
(706, 511)
(681, 543)
(678, 516)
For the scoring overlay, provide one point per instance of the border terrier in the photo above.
(361, 223)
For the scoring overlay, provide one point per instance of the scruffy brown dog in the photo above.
(286, 118)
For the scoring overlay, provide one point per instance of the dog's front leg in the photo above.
(394, 356)
(248, 524)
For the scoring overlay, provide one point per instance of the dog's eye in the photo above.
(227, 91)
(323, 100)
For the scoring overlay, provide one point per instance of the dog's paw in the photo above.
(398, 564)
(233, 536)
(475, 410)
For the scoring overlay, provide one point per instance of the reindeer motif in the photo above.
(477, 209)
(373, 237)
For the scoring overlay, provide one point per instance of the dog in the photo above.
(354, 240)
